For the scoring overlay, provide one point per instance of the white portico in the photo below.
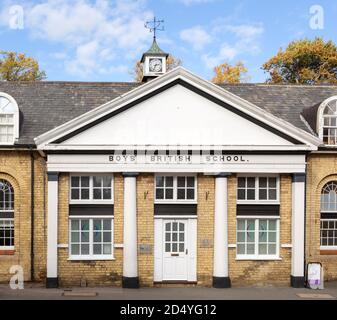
(178, 126)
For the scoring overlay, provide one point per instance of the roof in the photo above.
(46, 105)
(154, 50)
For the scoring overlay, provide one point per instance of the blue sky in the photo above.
(100, 40)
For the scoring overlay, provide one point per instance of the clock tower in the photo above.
(154, 62)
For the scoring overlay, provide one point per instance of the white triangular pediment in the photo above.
(177, 116)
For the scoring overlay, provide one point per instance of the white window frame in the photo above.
(320, 119)
(257, 201)
(9, 247)
(16, 117)
(91, 200)
(326, 247)
(175, 189)
(91, 256)
(257, 256)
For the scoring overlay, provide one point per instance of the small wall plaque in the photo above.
(206, 243)
(145, 248)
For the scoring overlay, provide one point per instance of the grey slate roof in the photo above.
(46, 105)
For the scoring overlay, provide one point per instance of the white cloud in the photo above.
(196, 36)
(191, 2)
(92, 32)
(246, 40)
(226, 53)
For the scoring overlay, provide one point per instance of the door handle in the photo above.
(186, 251)
(174, 254)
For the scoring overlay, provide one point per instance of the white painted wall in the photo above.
(177, 116)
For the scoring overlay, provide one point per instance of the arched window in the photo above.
(329, 215)
(6, 215)
(9, 119)
(327, 121)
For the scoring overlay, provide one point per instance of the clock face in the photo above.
(156, 65)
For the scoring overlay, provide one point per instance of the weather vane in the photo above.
(154, 26)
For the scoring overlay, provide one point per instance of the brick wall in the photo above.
(15, 166)
(245, 273)
(322, 168)
(72, 273)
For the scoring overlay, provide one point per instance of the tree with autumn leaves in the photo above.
(18, 67)
(304, 62)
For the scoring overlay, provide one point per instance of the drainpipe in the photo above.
(305, 217)
(32, 207)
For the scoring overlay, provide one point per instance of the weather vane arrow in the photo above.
(154, 26)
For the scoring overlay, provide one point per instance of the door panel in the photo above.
(175, 250)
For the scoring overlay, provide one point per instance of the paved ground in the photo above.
(38, 292)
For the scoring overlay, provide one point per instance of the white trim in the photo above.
(286, 245)
(175, 199)
(206, 86)
(91, 256)
(16, 119)
(328, 248)
(7, 248)
(63, 245)
(91, 199)
(258, 256)
(256, 188)
(320, 118)
(176, 217)
(232, 246)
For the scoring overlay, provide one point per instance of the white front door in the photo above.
(175, 250)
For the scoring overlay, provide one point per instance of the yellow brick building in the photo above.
(171, 182)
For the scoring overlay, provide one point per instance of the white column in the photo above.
(130, 263)
(220, 269)
(298, 225)
(52, 277)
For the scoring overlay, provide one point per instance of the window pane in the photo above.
(107, 237)
(75, 194)
(160, 182)
(250, 249)
(168, 227)
(271, 249)
(241, 182)
(263, 236)
(97, 224)
(107, 224)
(174, 247)
(181, 182)
(272, 237)
(241, 237)
(84, 236)
(85, 249)
(85, 194)
(107, 194)
(263, 182)
(169, 182)
(250, 194)
(159, 193)
(107, 249)
(75, 237)
(75, 182)
(107, 182)
(181, 236)
(174, 226)
(167, 236)
(168, 247)
(97, 237)
(263, 194)
(97, 194)
(241, 249)
(169, 194)
(75, 225)
(84, 225)
(262, 249)
(85, 182)
(241, 224)
(272, 225)
(272, 182)
(174, 236)
(97, 182)
(241, 194)
(97, 249)
(190, 182)
(272, 194)
(190, 194)
(181, 247)
(251, 182)
(181, 193)
(75, 249)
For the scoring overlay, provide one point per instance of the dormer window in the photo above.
(327, 115)
(9, 120)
